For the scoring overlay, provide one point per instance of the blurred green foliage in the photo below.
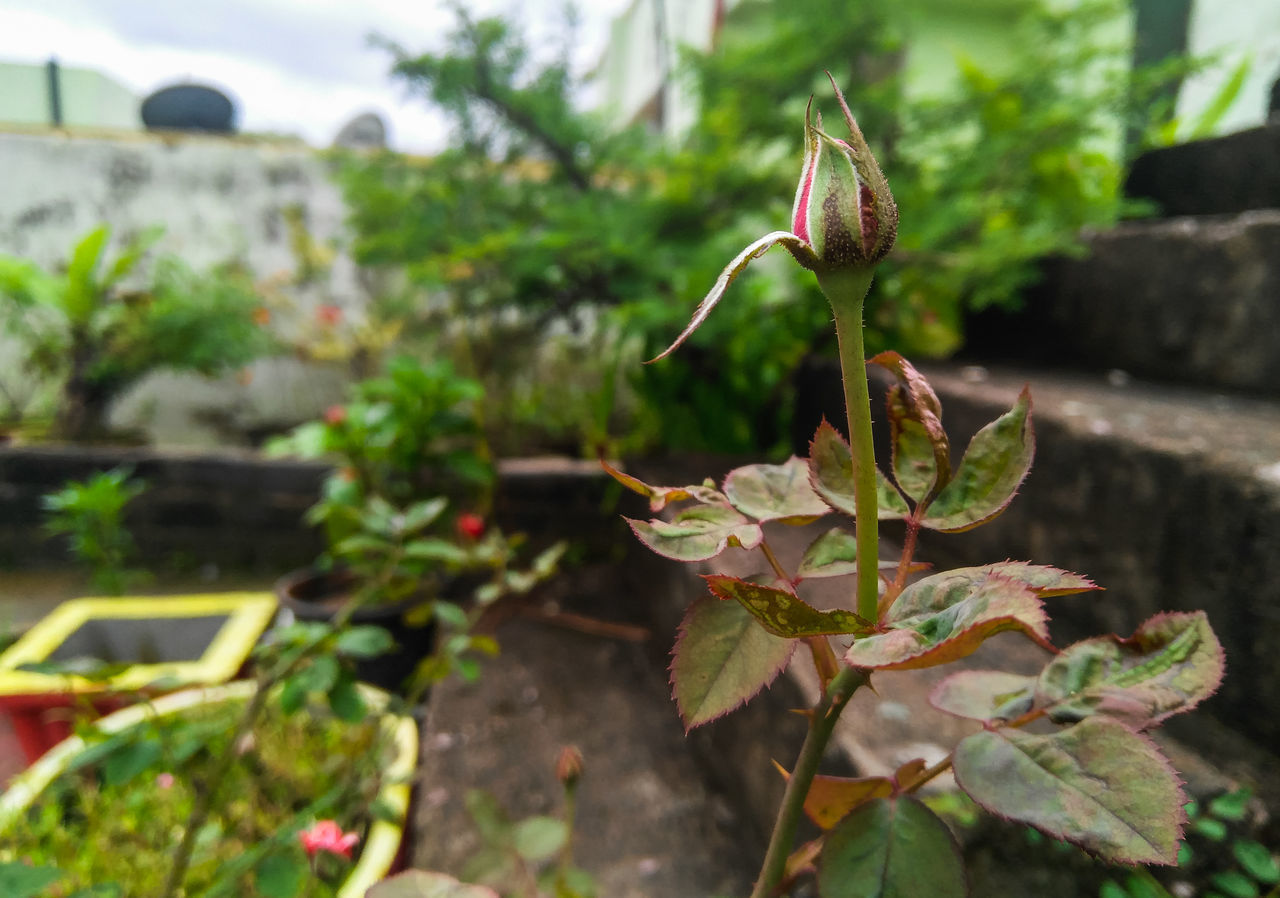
(90, 513)
(98, 326)
(538, 213)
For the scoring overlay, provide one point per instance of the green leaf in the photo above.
(1235, 884)
(984, 695)
(947, 616)
(661, 496)
(831, 474)
(421, 884)
(129, 257)
(921, 451)
(100, 890)
(280, 875)
(891, 848)
(345, 700)
(835, 554)
(1233, 805)
(435, 549)
(1257, 860)
(81, 296)
(538, 838)
(125, 764)
(320, 673)
(698, 533)
(1097, 784)
(775, 492)
(994, 466)
(19, 880)
(364, 641)
(1170, 664)
(721, 659)
(1213, 830)
(293, 694)
(783, 613)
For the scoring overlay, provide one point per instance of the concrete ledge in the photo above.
(1221, 175)
(240, 510)
(1188, 300)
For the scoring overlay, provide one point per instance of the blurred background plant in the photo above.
(539, 223)
(97, 327)
(91, 514)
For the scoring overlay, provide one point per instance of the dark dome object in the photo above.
(189, 107)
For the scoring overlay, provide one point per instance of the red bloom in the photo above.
(470, 525)
(335, 414)
(327, 835)
(328, 314)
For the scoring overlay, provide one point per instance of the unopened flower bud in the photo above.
(569, 765)
(843, 207)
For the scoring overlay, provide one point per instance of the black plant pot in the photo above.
(314, 595)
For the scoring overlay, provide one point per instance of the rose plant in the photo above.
(1087, 773)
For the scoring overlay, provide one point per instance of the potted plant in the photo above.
(404, 517)
(319, 805)
(86, 652)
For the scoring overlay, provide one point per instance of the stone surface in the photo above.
(1189, 300)
(366, 131)
(648, 824)
(1211, 177)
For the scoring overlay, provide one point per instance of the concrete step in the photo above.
(1184, 300)
(1220, 175)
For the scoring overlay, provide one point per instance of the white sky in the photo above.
(295, 66)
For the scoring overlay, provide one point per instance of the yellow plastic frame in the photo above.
(249, 614)
(380, 848)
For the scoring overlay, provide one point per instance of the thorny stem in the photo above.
(846, 291)
(821, 724)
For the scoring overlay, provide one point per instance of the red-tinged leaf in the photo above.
(783, 613)
(1097, 784)
(1169, 665)
(1043, 580)
(831, 474)
(775, 492)
(994, 466)
(661, 496)
(835, 554)
(831, 798)
(984, 695)
(946, 617)
(721, 659)
(803, 861)
(891, 848)
(921, 451)
(698, 533)
(421, 884)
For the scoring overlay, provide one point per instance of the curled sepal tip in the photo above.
(797, 247)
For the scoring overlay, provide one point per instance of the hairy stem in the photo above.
(846, 291)
(822, 723)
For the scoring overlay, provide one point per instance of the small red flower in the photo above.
(261, 316)
(470, 525)
(327, 835)
(328, 314)
(335, 414)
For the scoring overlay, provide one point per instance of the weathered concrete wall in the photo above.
(219, 200)
(239, 510)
